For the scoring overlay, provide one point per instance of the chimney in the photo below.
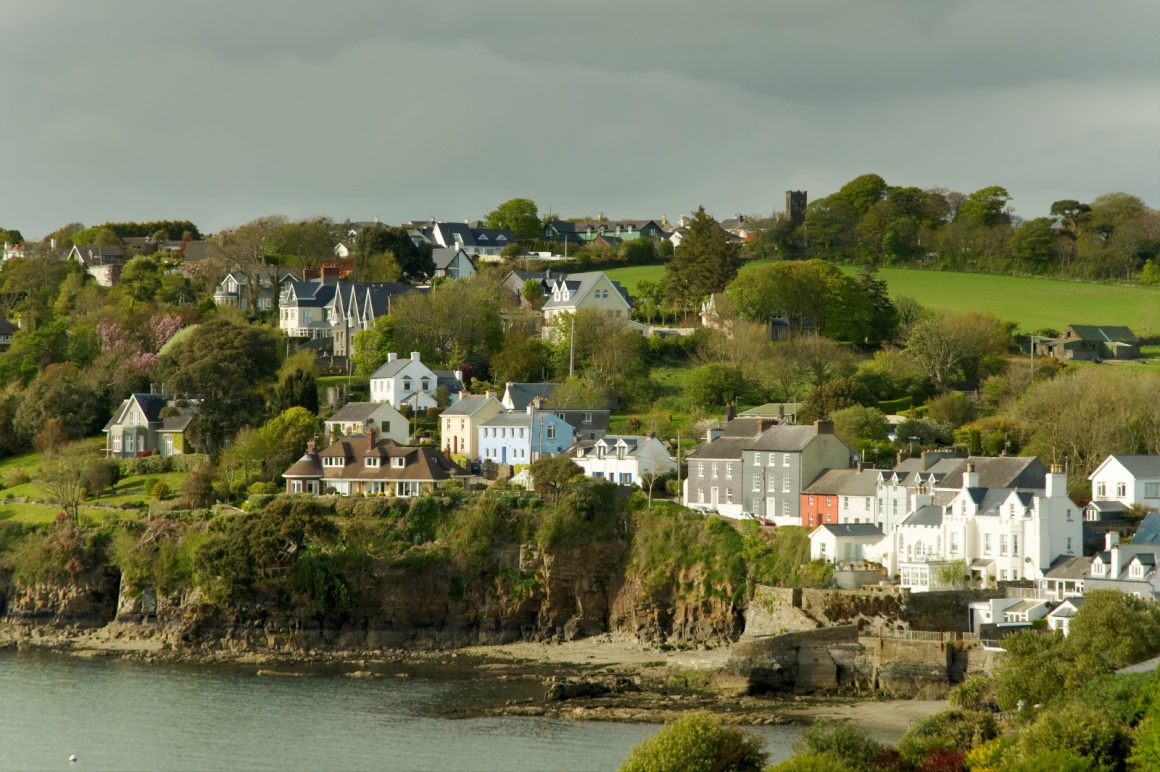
(1056, 482)
(765, 423)
(489, 393)
(370, 438)
(1111, 539)
(824, 426)
(537, 402)
(651, 435)
(414, 356)
(392, 357)
(459, 375)
(1115, 561)
(464, 393)
(310, 446)
(713, 434)
(730, 411)
(532, 407)
(970, 477)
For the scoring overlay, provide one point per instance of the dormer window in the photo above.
(579, 453)
(1136, 570)
(406, 384)
(372, 462)
(1097, 568)
(426, 385)
(398, 462)
(622, 453)
(600, 451)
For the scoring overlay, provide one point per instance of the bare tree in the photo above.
(243, 249)
(64, 473)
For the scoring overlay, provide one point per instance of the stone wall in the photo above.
(776, 610)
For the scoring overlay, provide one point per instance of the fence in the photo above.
(928, 636)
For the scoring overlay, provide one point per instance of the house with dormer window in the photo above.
(405, 382)
(1123, 480)
(1130, 568)
(579, 291)
(523, 436)
(149, 422)
(372, 466)
(622, 459)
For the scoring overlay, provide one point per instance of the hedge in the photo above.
(157, 464)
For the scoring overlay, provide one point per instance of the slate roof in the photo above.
(423, 463)
(151, 407)
(578, 286)
(467, 405)
(831, 481)
(724, 447)
(355, 411)
(744, 427)
(310, 465)
(1103, 333)
(994, 472)
(931, 514)
(7, 327)
(1067, 567)
(522, 394)
(1140, 466)
(1149, 530)
(783, 438)
(853, 529)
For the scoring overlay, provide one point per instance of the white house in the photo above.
(1128, 480)
(102, 262)
(452, 262)
(361, 417)
(579, 291)
(1059, 619)
(405, 382)
(998, 534)
(521, 437)
(622, 459)
(842, 542)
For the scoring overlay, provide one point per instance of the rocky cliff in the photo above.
(565, 594)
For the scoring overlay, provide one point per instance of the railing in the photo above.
(1027, 593)
(927, 636)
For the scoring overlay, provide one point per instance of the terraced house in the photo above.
(367, 464)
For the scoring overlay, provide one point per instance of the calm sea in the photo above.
(124, 716)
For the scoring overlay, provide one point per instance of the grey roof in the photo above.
(515, 418)
(469, 405)
(1103, 333)
(522, 394)
(1022, 607)
(579, 284)
(853, 529)
(864, 483)
(930, 514)
(1140, 466)
(831, 481)
(1067, 607)
(391, 369)
(1108, 506)
(723, 447)
(575, 418)
(743, 427)
(7, 327)
(783, 438)
(1065, 567)
(1149, 530)
(355, 411)
(444, 256)
(994, 472)
(772, 410)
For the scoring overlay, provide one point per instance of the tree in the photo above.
(64, 474)
(829, 227)
(698, 742)
(884, 320)
(197, 488)
(415, 261)
(519, 215)
(224, 363)
(705, 262)
(1071, 216)
(306, 242)
(524, 358)
(947, 346)
(863, 192)
(372, 345)
(859, 423)
(605, 346)
(285, 436)
(714, 385)
(833, 396)
(533, 293)
(141, 279)
(60, 392)
(553, 473)
(985, 207)
(296, 388)
(1150, 273)
(243, 249)
(1033, 244)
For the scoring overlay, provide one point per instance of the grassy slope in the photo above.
(1033, 303)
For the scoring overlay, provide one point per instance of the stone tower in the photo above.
(795, 206)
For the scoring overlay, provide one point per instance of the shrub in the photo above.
(1079, 730)
(697, 742)
(263, 487)
(102, 474)
(970, 694)
(841, 742)
(160, 491)
(16, 477)
(949, 730)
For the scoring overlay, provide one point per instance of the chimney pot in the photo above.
(824, 426)
(414, 356)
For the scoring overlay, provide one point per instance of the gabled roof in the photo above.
(856, 530)
(1066, 567)
(994, 472)
(744, 427)
(931, 514)
(579, 285)
(470, 405)
(421, 463)
(1138, 466)
(522, 394)
(391, 369)
(831, 481)
(1103, 333)
(783, 438)
(728, 448)
(358, 411)
(1149, 530)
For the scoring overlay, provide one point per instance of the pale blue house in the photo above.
(522, 437)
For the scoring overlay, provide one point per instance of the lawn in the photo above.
(1033, 303)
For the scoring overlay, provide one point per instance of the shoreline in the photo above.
(603, 678)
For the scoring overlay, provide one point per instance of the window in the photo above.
(134, 418)
(1069, 516)
(1152, 490)
(372, 462)
(953, 542)
(729, 470)
(167, 444)
(622, 453)
(406, 384)
(426, 385)
(700, 468)
(757, 482)
(772, 486)
(600, 451)
(398, 462)
(521, 433)
(829, 501)
(1069, 543)
(586, 418)
(785, 484)
(1136, 571)
(714, 470)
(117, 444)
(811, 499)
(700, 495)
(772, 459)
(550, 432)
(1121, 489)
(1010, 510)
(785, 507)
(845, 502)
(785, 459)
(894, 506)
(1101, 489)
(1015, 544)
(728, 495)
(987, 544)
(1002, 544)
(295, 486)
(1097, 566)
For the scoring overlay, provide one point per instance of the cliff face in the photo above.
(561, 595)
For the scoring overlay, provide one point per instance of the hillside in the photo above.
(1032, 302)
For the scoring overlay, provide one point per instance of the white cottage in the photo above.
(622, 459)
(405, 382)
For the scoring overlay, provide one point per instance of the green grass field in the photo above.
(1033, 303)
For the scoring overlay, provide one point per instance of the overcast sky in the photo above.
(219, 111)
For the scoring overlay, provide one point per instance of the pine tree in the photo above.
(704, 263)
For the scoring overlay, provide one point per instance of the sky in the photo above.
(221, 111)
